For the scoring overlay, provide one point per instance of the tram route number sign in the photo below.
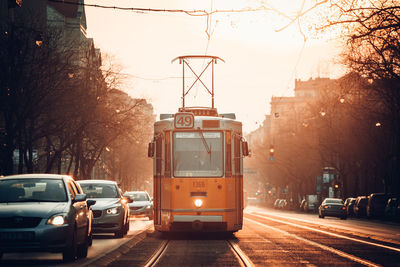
(184, 120)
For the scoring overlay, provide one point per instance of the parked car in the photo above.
(282, 204)
(332, 207)
(349, 203)
(311, 203)
(44, 212)
(142, 203)
(111, 212)
(302, 204)
(392, 209)
(376, 205)
(360, 207)
(276, 203)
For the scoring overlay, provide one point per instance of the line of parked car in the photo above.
(55, 213)
(376, 205)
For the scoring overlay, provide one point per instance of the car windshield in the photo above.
(32, 190)
(198, 154)
(100, 190)
(333, 201)
(138, 196)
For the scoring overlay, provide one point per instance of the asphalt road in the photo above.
(268, 238)
(275, 238)
(102, 244)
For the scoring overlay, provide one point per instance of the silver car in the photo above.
(111, 212)
(141, 203)
(332, 207)
(44, 212)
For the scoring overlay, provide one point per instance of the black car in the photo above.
(333, 207)
(376, 204)
(392, 209)
(349, 204)
(360, 207)
(44, 212)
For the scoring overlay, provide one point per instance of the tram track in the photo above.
(240, 255)
(316, 226)
(157, 254)
(357, 250)
(330, 233)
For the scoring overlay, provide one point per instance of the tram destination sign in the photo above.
(184, 120)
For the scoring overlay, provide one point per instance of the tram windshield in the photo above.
(198, 154)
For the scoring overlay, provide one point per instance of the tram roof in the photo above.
(225, 121)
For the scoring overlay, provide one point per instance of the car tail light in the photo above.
(326, 206)
(343, 208)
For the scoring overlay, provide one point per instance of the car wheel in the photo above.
(70, 252)
(90, 239)
(120, 232)
(322, 216)
(126, 227)
(83, 248)
(343, 218)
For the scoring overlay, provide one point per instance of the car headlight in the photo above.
(113, 210)
(57, 219)
(148, 207)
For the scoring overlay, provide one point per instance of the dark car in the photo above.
(302, 205)
(360, 207)
(141, 203)
(111, 212)
(333, 207)
(392, 209)
(349, 204)
(376, 204)
(44, 212)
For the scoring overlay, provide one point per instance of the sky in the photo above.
(260, 61)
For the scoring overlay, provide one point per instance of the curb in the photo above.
(112, 255)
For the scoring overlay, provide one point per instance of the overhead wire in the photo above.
(198, 12)
(208, 14)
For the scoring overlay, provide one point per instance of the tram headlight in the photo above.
(198, 203)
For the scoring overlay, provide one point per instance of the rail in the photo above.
(240, 255)
(158, 254)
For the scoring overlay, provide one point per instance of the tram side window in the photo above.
(158, 156)
(167, 154)
(237, 153)
(228, 156)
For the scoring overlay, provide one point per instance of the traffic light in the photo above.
(271, 152)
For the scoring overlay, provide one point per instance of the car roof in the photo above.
(36, 175)
(97, 182)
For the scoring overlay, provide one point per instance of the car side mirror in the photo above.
(79, 198)
(90, 202)
(245, 149)
(150, 150)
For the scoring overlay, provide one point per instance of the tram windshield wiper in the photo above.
(208, 149)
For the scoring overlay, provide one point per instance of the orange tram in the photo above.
(198, 168)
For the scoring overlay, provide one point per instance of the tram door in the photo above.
(157, 182)
(238, 180)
